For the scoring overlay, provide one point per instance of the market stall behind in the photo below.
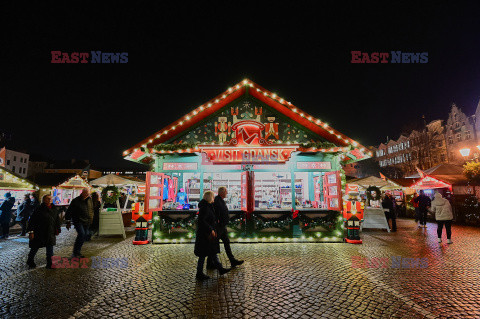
(132, 187)
(62, 186)
(16, 185)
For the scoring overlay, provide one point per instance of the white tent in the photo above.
(375, 181)
(115, 180)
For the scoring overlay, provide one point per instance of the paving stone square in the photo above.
(406, 274)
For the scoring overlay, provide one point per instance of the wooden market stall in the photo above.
(282, 167)
(62, 186)
(16, 185)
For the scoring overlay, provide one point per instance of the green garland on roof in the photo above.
(318, 145)
(174, 147)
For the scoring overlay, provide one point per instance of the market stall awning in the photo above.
(247, 115)
(441, 169)
(113, 179)
(9, 180)
(375, 181)
(60, 180)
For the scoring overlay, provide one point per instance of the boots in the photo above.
(201, 276)
(234, 262)
(31, 264)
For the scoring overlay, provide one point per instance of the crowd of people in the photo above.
(42, 222)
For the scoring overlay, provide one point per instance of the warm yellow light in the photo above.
(465, 152)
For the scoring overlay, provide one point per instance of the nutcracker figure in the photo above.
(353, 214)
(142, 222)
(271, 128)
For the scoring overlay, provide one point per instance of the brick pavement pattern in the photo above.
(278, 280)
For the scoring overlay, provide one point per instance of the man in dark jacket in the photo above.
(424, 204)
(6, 214)
(24, 211)
(80, 212)
(387, 203)
(221, 212)
(44, 225)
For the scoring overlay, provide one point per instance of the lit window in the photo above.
(459, 137)
(467, 135)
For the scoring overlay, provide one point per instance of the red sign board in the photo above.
(429, 182)
(179, 166)
(225, 155)
(314, 165)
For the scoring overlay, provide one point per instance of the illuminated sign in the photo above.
(314, 165)
(179, 166)
(225, 155)
(429, 182)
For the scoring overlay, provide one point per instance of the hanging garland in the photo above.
(318, 145)
(375, 189)
(235, 223)
(185, 223)
(281, 222)
(328, 222)
(110, 194)
(175, 147)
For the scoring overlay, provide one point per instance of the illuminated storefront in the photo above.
(281, 166)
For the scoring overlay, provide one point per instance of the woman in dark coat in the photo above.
(96, 214)
(206, 241)
(45, 225)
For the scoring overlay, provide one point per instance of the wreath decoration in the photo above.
(110, 194)
(375, 189)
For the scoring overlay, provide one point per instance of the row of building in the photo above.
(435, 143)
(30, 166)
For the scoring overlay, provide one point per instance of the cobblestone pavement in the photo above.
(278, 280)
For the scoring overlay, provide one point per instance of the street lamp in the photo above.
(465, 152)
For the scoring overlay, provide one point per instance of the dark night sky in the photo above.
(180, 56)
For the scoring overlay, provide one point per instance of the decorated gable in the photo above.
(247, 121)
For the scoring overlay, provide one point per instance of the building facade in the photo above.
(16, 162)
(438, 142)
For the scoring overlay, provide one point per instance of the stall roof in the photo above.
(441, 169)
(404, 182)
(143, 151)
(374, 181)
(114, 179)
(57, 179)
(9, 180)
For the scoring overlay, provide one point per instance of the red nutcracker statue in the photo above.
(142, 221)
(353, 214)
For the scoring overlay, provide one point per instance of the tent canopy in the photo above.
(114, 180)
(375, 181)
(441, 169)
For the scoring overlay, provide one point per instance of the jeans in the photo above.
(423, 216)
(33, 252)
(448, 228)
(23, 223)
(5, 228)
(201, 263)
(82, 233)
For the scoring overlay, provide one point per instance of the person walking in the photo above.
(96, 213)
(24, 211)
(387, 203)
(80, 212)
(206, 240)
(6, 214)
(43, 226)
(222, 214)
(443, 215)
(424, 204)
(415, 206)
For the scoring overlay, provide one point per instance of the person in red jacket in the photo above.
(415, 206)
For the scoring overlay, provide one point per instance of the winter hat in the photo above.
(8, 195)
